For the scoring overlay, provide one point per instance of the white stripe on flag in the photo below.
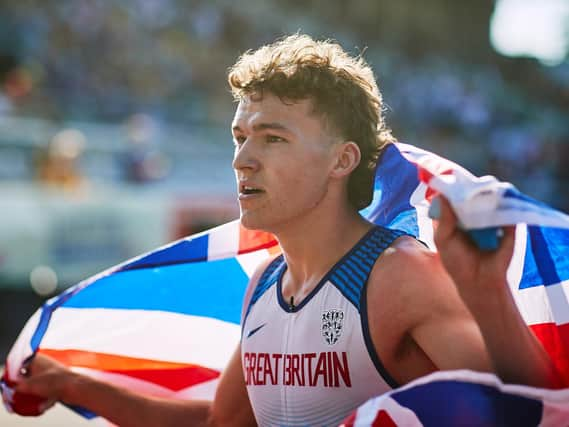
(155, 335)
(424, 223)
(251, 261)
(558, 300)
(223, 241)
(544, 304)
(516, 267)
(402, 416)
(22, 349)
(534, 305)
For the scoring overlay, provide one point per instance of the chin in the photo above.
(248, 222)
(253, 222)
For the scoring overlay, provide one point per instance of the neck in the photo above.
(313, 247)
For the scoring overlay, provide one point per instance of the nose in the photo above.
(245, 158)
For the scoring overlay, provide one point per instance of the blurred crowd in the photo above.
(123, 62)
(477, 118)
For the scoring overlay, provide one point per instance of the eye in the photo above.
(275, 138)
(239, 140)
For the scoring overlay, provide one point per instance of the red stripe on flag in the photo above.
(171, 375)
(349, 422)
(106, 361)
(424, 175)
(430, 193)
(253, 240)
(173, 379)
(383, 420)
(555, 340)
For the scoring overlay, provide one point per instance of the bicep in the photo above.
(452, 340)
(444, 329)
(231, 404)
(426, 307)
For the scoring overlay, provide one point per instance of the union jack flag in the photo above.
(166, 323)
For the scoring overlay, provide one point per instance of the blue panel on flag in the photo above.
(184, 251)
(453, 403)
(406, 221)
(210, 289)
(546, 261)
(395, 180)
(512, 193)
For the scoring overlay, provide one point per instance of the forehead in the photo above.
(254, 109)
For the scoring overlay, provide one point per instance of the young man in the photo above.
(349, 310)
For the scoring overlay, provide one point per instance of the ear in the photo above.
(348, 158)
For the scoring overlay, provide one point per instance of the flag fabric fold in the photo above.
(463, 398)
(166, 323)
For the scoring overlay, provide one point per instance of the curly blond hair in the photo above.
(342, 87)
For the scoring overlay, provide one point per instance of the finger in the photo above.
(31, 386)
(46, 405)
(507, 244)
(26, 368)
(24, 371)
(25, 385)
(447, 222)
(447, 212)
(22, 387)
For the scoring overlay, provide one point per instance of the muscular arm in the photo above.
(443, 327)
(126, 408)
(480, 277)
(421, 324)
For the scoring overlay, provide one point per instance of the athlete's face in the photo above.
(283, 158)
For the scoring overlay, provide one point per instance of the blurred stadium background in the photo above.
(114, 116)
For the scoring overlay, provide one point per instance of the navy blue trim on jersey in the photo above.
(375, 246)
(267, 279)
(351, 274)
(286, 306)
(369, 343)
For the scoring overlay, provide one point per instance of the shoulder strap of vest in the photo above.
(351, 274)
(267, 279)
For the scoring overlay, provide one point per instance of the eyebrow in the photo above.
(265, 126)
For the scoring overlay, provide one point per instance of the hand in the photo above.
(477, 274)
(44, 377)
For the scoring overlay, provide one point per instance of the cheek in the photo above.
(300, 185)
(296, 177)
(307, 171)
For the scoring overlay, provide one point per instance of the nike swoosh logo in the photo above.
(254, 331)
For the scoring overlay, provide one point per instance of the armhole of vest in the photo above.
(265, 276)
(360, 301)
(369, 342)
(363, 308)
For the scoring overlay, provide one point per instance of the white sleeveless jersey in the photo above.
(313, 364)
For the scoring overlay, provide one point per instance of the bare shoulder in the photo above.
(406, 260)
(412, 279)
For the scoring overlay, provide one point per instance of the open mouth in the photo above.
(247, 190)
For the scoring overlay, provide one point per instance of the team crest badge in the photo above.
(332, 323)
